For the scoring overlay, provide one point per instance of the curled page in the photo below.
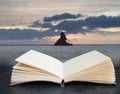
(42, 61)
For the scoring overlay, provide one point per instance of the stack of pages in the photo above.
(90, 67)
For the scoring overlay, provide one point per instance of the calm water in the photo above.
(62, 52)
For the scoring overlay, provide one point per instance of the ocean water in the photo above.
(63, 52)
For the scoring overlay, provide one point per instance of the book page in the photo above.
(18, 78)
(83, 61)
(42, 61)
(100, 73)
(26, 68)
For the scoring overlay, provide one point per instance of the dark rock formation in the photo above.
(62, 41)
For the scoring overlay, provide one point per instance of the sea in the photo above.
(62, 53)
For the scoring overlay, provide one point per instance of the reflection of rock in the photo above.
(62, 40)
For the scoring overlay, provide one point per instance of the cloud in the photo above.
(61, 17)
(46, 25)
(91, 23)
(71, 26)
(87, 25)
(18, 34)
(36, 23)
(102, 21)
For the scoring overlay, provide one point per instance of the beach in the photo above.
(9, 52)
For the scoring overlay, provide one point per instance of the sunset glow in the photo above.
(89, 39)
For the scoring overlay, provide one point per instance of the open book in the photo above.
(90, 67)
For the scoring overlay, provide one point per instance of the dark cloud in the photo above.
(13, 34)
(76, 26)
(71, 26)
(18, 34)
(102, 22)
(61, 17)
(36, 23)
(46, 25)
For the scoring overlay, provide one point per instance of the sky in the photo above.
(41, 21)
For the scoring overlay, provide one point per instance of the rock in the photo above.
(62, 41)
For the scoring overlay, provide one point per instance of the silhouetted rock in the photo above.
(62, 40)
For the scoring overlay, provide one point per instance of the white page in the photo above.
(83, 61)
(42, 61)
